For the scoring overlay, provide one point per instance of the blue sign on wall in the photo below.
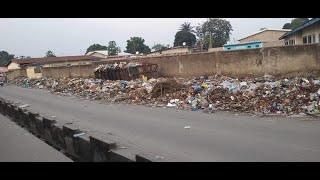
(248, 45)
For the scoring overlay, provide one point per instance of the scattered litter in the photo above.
(159, 157)
(171, 105)
(80, 134)
(23, 106)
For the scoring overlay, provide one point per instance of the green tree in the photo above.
(113, 49)
(5, 58)
(135, 44)
(297, 22)
(287, 26)
(186, 26)
(160, 47)
(219, 29)
(184, 36)
(96, 47)
(50, 54)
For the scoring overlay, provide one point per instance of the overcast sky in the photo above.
(67, 37)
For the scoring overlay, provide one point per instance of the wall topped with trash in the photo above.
(126, 71)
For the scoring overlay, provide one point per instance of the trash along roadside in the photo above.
(264, 95)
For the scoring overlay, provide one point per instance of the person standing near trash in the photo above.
(2, 79)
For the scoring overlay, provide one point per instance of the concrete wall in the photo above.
(274, 43)
(72, 71)
(281, 60)
(265, 36)
(173, 51)
(11, 74)
(72, 63)
(31, 73)
(254, 62)
(215, 49)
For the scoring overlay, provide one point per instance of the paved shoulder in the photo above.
(18, 145)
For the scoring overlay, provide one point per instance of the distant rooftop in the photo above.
(104, 52)
(283, 30)
(54, 59)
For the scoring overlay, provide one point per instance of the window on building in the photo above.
(313, 38)
(68, 64)
(37, 69)
(249, 46)
(257, 45)
(305, 40)
(309, 39)
(292, 42)
(286, 43)
(228, 48)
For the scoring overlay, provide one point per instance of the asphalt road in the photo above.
(221, 136)
(18, 145)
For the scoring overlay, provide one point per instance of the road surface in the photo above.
(18, 145)
(221, 136)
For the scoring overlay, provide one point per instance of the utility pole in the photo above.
(210, 46)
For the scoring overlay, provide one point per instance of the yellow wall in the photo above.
(13, 65)
(215, 49)
(31, 74)
(170, 52)
(73, 63)
(265, 36)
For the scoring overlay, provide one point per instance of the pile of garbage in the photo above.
(264, 95)
(125, 71)
(120, 65)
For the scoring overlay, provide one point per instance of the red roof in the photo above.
(4, 69)
(54, 59)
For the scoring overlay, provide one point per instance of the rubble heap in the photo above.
(264, 95)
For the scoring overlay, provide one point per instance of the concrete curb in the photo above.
(84, 148)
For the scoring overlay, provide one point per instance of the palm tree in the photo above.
(186, 26)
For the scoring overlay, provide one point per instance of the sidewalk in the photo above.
(18, 145)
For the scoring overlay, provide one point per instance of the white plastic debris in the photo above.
(305, 80)
(80, 134)
(171, 105)
(187, 127)
(23, 106)
(159, 157)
